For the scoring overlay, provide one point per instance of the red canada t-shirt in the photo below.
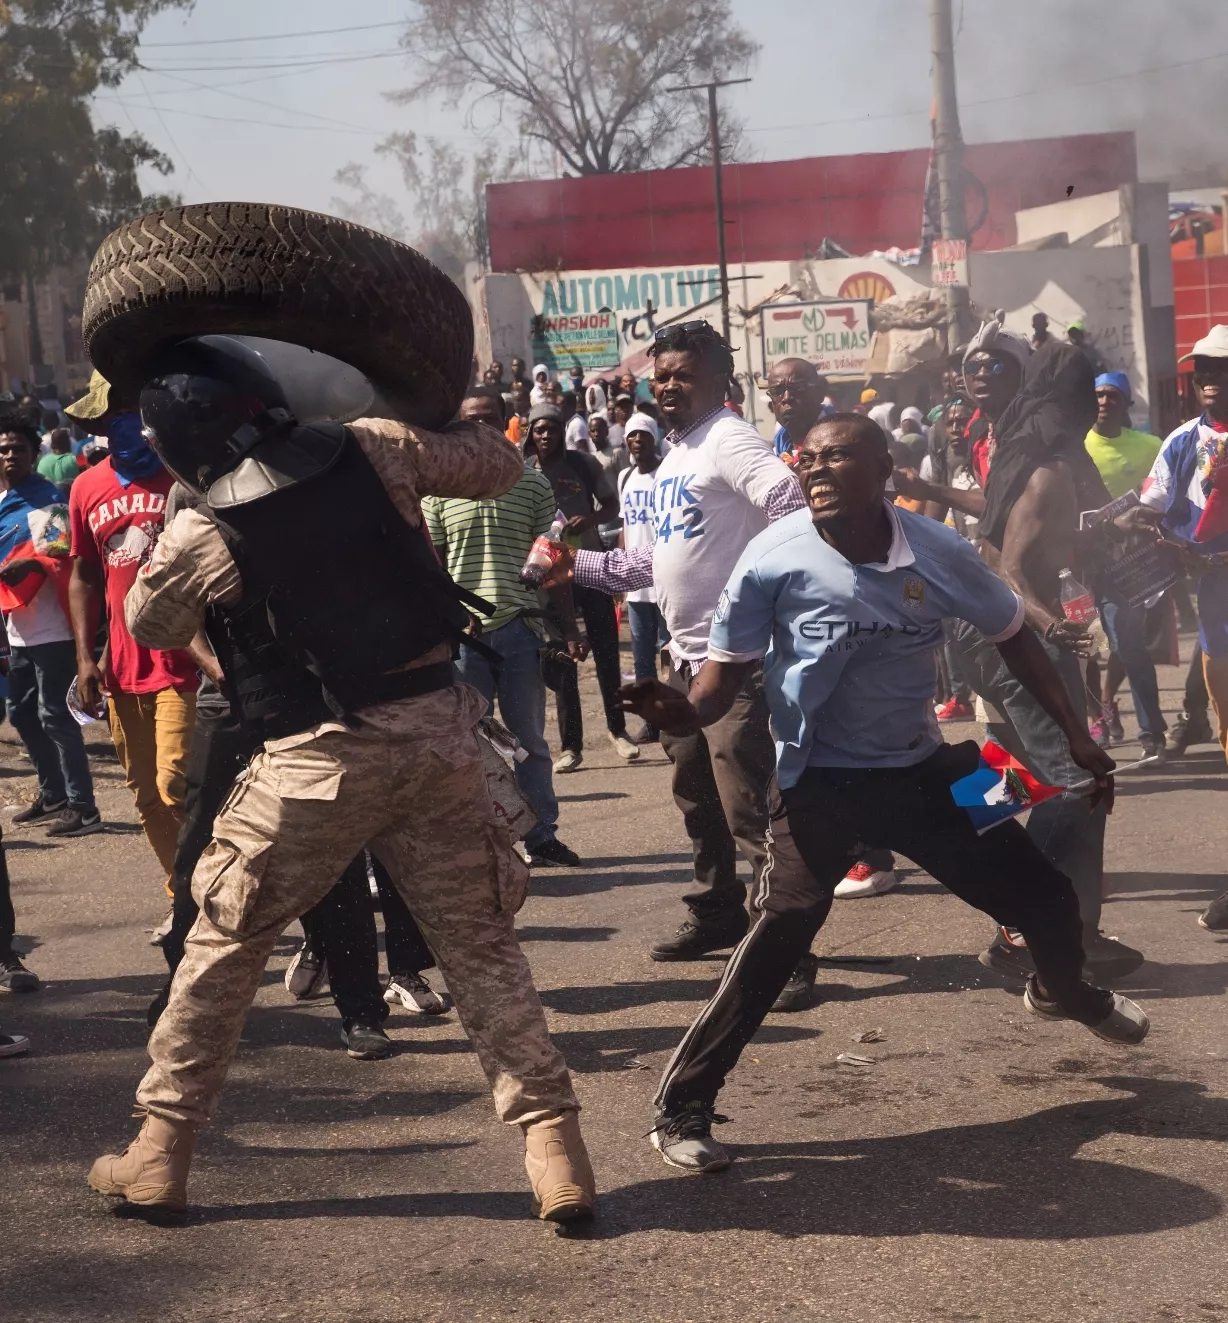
(118, 527)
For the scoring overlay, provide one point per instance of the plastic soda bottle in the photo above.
(545, 550)
(1079, 605)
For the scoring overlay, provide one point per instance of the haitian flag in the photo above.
(34, 526)
(1000, 789)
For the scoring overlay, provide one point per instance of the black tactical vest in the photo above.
(339, 592)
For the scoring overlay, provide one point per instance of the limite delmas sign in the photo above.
(833, 335)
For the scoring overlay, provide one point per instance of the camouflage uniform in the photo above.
(410, 782)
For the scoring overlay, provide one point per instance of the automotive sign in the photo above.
(834, 336)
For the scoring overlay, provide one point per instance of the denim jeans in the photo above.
(1069, 834)
(522, 709)
(39, 677)
(1126, 630)
(648, 637)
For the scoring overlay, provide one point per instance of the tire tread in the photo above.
(262, 269)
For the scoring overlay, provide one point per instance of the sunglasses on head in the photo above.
(664, 331)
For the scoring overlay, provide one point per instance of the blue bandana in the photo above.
(131, 456)
(1118, 380)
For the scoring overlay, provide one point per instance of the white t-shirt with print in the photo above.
(639, 527)
(709, 490)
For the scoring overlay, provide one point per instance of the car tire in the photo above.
(243, 268)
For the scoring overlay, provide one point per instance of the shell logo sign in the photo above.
(867, 285)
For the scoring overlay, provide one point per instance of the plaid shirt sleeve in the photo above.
(783, 499)
(614, 571)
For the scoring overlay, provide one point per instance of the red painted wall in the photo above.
(781, 210)
(1200, 298)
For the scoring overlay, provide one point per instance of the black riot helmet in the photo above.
(207, 403)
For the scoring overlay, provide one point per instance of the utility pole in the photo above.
(714, 133)
(949, 159)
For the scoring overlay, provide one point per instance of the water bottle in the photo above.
(544, 552)
(1079, 605)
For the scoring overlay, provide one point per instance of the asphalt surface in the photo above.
(987, 1166)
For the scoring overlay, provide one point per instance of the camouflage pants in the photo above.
(411, 784)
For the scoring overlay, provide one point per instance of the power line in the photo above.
(175, 146)
(271, 36)
(230, 119)
(314, 62)
(271, 124)
(192, 85)
(233, 82)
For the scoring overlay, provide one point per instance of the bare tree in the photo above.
(364, 206)
(446, 196)
(585, 80)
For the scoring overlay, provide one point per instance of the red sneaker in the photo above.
(861, 880)
(954, 710)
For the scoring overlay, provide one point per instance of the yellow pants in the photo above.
(151, 734)
(1215, 673)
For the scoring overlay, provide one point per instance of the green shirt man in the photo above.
(1123, 456)
(484, 544)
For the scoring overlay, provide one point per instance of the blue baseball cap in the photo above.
(1118, 380)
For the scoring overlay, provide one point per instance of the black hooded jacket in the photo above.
(1049, 419)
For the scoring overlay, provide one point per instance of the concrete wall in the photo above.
(1133, 213)
(1103, 287)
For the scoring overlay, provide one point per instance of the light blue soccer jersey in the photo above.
(848, 649)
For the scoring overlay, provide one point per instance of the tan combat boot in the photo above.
(152, 1172)
(564, 1188)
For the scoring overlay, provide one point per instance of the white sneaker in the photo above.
(414, 993)
(569, 760)
(624, 748)
(306, 975)
(861, 880)
(13, 1045)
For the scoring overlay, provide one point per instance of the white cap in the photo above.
(642, 422)
(1212, 345)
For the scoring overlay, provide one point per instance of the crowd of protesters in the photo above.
(680, 519)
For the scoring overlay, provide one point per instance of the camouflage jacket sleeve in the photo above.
(466, 459)
(190, 568)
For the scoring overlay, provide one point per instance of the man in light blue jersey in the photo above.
(843, 604)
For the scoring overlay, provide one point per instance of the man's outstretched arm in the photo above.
(1029, 663)
(711, 696)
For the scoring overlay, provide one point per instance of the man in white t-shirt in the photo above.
(575, 425)
(717, 487)
(636, 486)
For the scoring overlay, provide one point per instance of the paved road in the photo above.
(986, 1167)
